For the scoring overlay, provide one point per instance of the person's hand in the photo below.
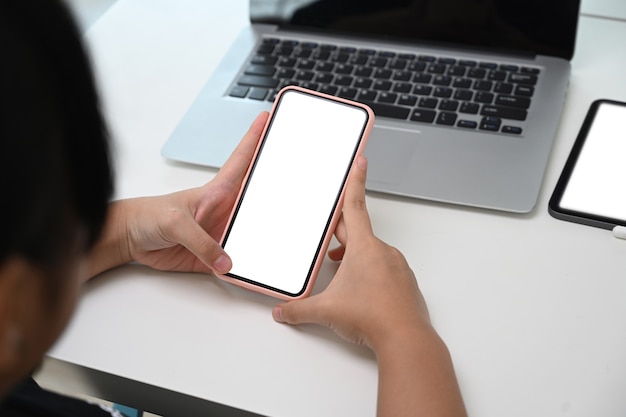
(179, 231)
(374, 300)
(374, 290)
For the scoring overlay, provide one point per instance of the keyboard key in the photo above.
(483, 85)
(348, 93)
(457, 71)
(303, 53)
(490, 123)
(325, 66)
(436, 68)
(329, 89)
(422, 90)
(263, 60)
(488, 65)
(467, 63)
(378, 62)
(407, 100)
(504, 112)
(446, 118)
(515, 130)
(311, 85)
(366, 52)
(427, 58)
(284, 50)
(496, 76)
(382, 85)
(467, 124)
(528, 70)
(265, 49)
(448, 105)
(465, 95)
(526, 79)
(386, 97)
(476, 73)
(367, 95)
(358, 60)
(402, 76)
(509, 67)
(444, 92)
(426, 116)
(483, 97)
(344, 69)
(524, 90)
(260, 70)
(305, 75)
(444, 80)
(361, 82)
(398, 64)
(324, 78)
(402, 88)
(382, 74)
(387, 110)
(287, 62)
(343, 80)
(447, 61)
(417, 66)
(522, 102)
(428, 103)
(258, 81)
(305, 64)
(363, 72)
(321, 55)
(239, 91)
(258, 93)
(462, 83)
(422, 78)
(504, 88)
(469, 108)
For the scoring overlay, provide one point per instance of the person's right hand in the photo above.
(374, 300)
(374, 291)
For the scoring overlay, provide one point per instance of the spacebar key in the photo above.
(257, 81)
(386, 110)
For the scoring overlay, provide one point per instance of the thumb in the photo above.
(298, 312)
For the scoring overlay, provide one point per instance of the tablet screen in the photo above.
(593, 183)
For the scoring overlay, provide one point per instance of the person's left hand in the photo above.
(179, 231)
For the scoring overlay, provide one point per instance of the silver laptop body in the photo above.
(465, 165)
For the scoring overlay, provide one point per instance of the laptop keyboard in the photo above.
(443, 90)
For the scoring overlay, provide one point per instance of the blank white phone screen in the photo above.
(598, 180)
(292, 191)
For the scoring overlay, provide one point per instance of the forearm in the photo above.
(112, 249)
(416, 378)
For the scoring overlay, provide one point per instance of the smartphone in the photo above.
(291, 198)
(592, 187)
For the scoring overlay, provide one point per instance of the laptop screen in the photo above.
(546, 27)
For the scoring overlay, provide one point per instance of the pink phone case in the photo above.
(335, 215)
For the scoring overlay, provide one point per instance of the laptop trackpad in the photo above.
(389, 153)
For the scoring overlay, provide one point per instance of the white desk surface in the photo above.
(533, 309)
(611, 9)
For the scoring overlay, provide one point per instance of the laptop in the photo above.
(467, 94)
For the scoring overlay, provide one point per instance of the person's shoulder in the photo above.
(28, 399)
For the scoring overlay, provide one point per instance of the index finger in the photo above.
(235, 168)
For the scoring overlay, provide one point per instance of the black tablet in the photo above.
(592, 186)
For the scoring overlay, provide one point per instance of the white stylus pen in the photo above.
(619, 232)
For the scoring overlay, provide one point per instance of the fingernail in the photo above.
(277, 313)
(222, 264)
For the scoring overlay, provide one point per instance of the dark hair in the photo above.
(55, 169)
